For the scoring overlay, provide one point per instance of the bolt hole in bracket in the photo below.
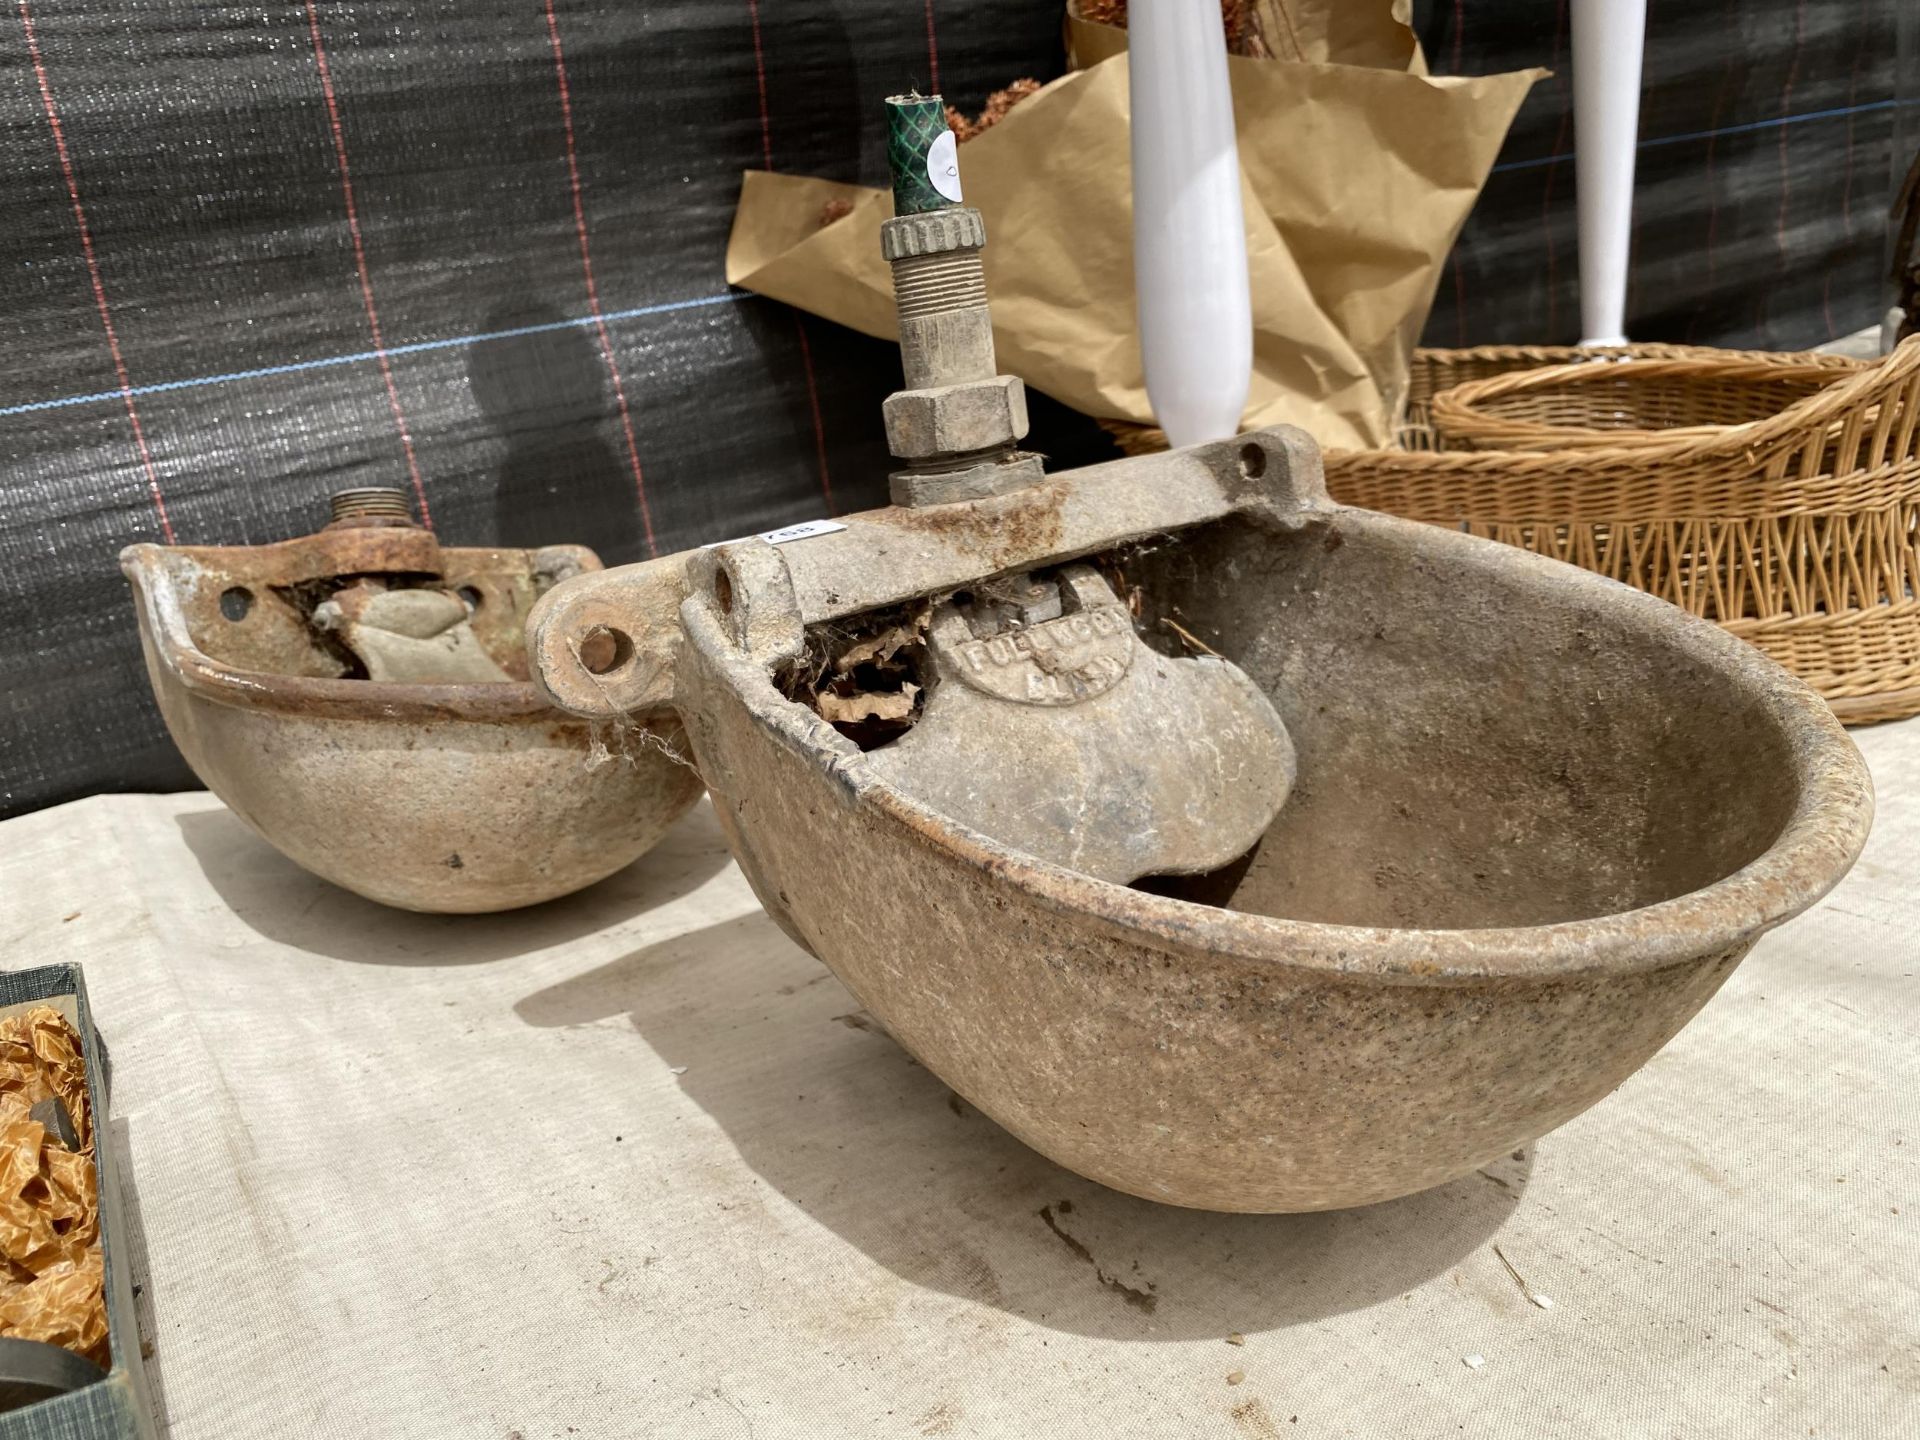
(604, 649)
(236, 603)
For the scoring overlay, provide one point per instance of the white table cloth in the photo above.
(631, 1164)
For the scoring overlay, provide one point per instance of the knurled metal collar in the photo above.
(933, 232)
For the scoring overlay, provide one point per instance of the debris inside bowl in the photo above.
(868, 680)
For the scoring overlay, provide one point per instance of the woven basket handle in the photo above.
(1872, 418)
(1456, 410)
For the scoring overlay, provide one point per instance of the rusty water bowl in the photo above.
(1536, 819)
(449, 785)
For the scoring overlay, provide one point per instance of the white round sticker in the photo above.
(943, 165)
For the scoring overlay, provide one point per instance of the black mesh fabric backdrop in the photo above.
(258, 253)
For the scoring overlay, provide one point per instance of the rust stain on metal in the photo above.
(1025, 522)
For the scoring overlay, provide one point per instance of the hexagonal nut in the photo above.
(956, 419)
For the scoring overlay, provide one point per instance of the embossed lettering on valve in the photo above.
(1057, 662)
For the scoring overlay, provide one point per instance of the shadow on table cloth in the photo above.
(847, 1126)
(290, 906)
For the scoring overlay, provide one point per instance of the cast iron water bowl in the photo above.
(469, 796)
(1537, 820)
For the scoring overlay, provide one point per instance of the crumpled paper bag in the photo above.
(1355, 182)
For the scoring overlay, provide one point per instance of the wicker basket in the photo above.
(1639, 402)
(1799, 532)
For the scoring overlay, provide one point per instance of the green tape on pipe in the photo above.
(922, 154)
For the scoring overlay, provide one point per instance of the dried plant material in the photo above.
(1525, 1289)
(869, 682)
(1243, 29)
(51, 1288)
(837, 208)
(1244, 35)
(1234, 1377)
(866, 705)
(1236, 1338)
(1192, 641)
(1135, 439)
(998, 104)
(880, 648)
(1337, 32)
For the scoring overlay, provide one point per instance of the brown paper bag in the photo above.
(1355, 183)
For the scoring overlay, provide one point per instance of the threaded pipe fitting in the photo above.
(932, 284)
(958, 420)
(370, 502)
(940, 294)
